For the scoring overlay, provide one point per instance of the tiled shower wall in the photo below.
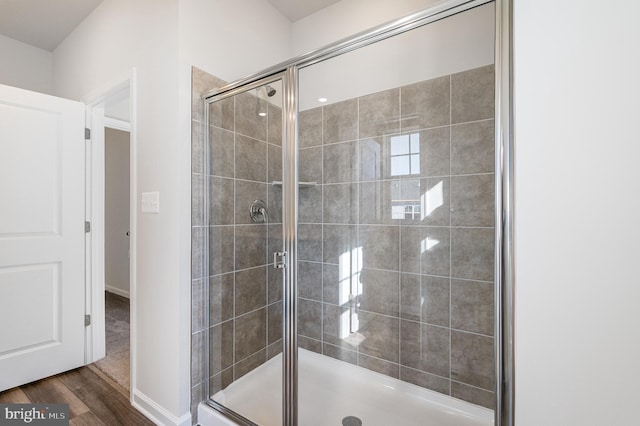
(402, 220)
(414, 246)
(200, 81)
(244, 327)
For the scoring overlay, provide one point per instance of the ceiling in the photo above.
(298, 9)
(45, 23)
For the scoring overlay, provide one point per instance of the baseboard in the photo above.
(116, 290)
(156, 413)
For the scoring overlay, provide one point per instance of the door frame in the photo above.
(95, 206)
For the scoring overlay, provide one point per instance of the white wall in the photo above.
(346, 18)
(459, 43)
(577, 208)
(233, 39)
(118, 105)
(25, 66)
(116, 217)
(119, 35)
(162, 39)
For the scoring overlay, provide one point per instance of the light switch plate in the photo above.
(150, 202)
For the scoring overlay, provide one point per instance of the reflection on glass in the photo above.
(405, 200)
(432, 199)
(427, 244)
(349, 288)
(345, 324)
(405, 154)
(408, 202)
(397, 212)
(371, 154)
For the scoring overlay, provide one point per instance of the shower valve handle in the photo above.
(258, 211)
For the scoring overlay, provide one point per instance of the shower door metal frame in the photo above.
(504, 272)
(504, 188)
(207, 101)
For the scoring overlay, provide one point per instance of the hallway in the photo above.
(116, 364)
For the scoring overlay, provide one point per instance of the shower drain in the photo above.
(351, 421)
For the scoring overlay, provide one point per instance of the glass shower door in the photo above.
(395, 235)
(245, 229)
(368, 177)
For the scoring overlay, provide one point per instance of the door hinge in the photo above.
(279, 259)
(87, 320)
(87, 134)
(87, 227)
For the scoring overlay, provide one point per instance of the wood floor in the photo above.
(93, 398)
(116, 362)
(97, 394)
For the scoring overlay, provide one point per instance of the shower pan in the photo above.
(350, 199)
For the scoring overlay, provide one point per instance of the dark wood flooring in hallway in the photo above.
(93, 398)
(97, 394)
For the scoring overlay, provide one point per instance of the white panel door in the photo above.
(42, 240)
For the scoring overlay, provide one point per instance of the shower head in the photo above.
(270, 90)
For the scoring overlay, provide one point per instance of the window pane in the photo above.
(415, 164)
(397, 212)
(400, 165)
(400, 145)
(415, 143)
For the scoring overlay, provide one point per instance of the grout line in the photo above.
(399, 178)
(243, 269)
(266, 270)
(474, 333)
(263, 182)
(389, 225)
(398, 133)
(249, 356)
(360, 267)
(400, 310)
(415, 226)
(233, 340)
(424, 372)
(482, 120)
(472, 386)
(253, 311)
(322, 316)
(221, 371)
(404, 272)
(450, 221)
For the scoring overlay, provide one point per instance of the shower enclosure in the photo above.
(345, 213)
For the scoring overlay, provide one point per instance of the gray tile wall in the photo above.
(200, 82)
(250, 147)
(244, 326)
(422, 280)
